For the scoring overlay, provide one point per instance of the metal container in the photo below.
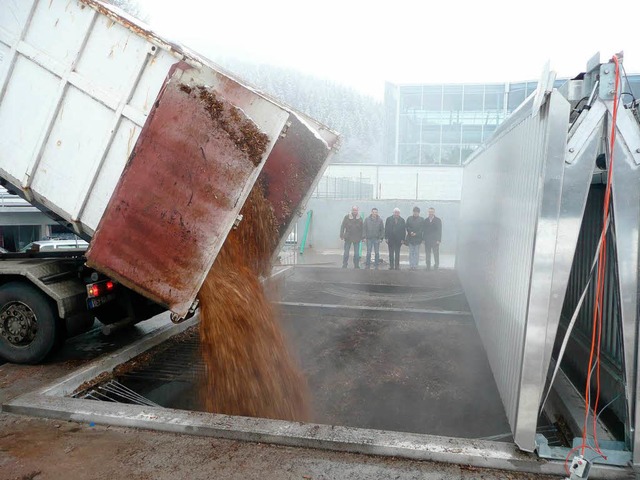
(524, 203)
(141, 145)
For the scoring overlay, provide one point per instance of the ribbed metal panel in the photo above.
(527, 242)
(626, 209)
(507, 237)
(576, 359)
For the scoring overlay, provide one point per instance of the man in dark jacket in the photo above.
(432, 238)
(373, 234)
(415, 228)
(351, 233)
(394, 233)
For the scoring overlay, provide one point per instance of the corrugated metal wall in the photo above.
(527, 239)
(505, 230)
(507, 235)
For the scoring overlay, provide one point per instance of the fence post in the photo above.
(306, 231)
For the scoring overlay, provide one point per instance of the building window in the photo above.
(452, 98)
(15, 237)
(451, 133)
(517, 94)
(494, 97)
(432, 99)
(473, 98)
(430, 154)
(472, 134)
(430, 133)
(409, 129)
(62, 233)
(466, 151)
(444, 124)
(410, 99)
(409, 155)
(493, 117)
(450, 155)
(488, 132)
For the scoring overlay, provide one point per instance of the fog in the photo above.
(406, 41)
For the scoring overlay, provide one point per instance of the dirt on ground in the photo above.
(38, 449)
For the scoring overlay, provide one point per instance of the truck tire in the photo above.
(28, 330)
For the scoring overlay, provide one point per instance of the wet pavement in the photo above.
(419, 369)
(78, 351)
(372, 369)
(379, 350)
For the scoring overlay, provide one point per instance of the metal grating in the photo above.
(575, 360)
(114, 391)
(168, 376)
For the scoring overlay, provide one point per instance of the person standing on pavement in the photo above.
(351, 233)
(415, 229)
(394, 234)
(432, 238)
(373, 234)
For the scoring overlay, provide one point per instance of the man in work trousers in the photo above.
(394, 233)
(373, 234)
(415, 229)
(351, 233)
(432, 238)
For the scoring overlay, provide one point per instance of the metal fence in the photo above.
(345, 188)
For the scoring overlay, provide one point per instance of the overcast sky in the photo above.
(363, 44)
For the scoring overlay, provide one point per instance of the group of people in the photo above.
(396, 231)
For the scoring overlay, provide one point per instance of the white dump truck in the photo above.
(139, 146)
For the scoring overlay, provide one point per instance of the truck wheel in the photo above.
(27, 324)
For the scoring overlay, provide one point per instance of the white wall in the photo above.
(324, 231)
(405, 182)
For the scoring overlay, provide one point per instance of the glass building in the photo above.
(441, 124)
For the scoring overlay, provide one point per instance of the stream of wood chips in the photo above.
(249, 369)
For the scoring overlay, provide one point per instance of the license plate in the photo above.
(99, 301)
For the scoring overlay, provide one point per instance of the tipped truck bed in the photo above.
(114, 131)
